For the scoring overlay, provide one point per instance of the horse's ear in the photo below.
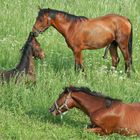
(71, 86)
(69, 90)
(31, 34)
(21, 50)
(66, 89)
(39, 7)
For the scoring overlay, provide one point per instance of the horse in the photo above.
(83, 33)
(107, 115)
(30, 50)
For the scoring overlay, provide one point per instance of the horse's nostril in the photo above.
(43, 55)
(52, 109)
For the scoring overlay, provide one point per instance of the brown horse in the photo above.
(26, 65)
(82, 33)
(107, 115)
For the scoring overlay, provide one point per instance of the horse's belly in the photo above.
(97, 41)
(96, 45)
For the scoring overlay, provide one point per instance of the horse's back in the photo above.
(135, 104)
(131, 109)
(7, 75)
(111, 17)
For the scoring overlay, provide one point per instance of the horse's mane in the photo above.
(25, 50)
(69, 17)
(89, 92)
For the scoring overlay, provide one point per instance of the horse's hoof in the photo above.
(104, 57)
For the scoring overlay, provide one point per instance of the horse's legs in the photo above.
(97, 130)
(78, 60)
(124, 49)
(114, 54)
(105, 119)
(91, 126)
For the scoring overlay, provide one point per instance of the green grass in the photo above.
(24, 111)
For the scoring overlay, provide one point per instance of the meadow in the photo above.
(24, 109)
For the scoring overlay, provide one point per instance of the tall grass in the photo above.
(24, 109)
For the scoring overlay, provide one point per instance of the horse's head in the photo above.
(35, 46)
(43, 22)
(37, 50)
(63, 103)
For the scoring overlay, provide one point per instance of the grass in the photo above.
(24, 109)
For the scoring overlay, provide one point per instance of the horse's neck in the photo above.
(87, 103)
(61, 25)
(26, 64)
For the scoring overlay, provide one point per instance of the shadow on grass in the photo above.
(60, 62)
(45, 116)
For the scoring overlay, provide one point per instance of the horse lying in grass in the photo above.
(82, 33)
(107, 115)
(26, 66)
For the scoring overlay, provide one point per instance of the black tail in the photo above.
(130, 43)
(106, 52)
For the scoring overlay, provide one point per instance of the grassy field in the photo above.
(24, 111)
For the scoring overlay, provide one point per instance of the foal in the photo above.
(107, 115)
(30, 50)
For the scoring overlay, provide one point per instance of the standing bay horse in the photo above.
(107, 115)
(30, 50)
(82, 33)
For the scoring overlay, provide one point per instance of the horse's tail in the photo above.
(130, 42)
(106, 52)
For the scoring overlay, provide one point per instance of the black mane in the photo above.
(25, 51)
(52, 13)
(89, 92)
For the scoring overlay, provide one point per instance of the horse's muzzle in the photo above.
(42, 55)
(36, 32)
(52, 110)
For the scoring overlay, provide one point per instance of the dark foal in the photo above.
(30, 50)
(107, 115)
(82, 33)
